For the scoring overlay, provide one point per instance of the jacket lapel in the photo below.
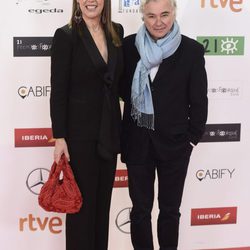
(167, 65)
(112, 57)
(105, 71)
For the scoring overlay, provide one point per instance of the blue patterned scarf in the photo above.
(151, 53)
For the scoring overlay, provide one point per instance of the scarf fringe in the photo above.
(142, 119)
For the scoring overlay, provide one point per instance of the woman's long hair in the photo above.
(105, 20)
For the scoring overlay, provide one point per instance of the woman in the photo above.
(165, 111)
(86, 64)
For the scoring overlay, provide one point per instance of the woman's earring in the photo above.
(78, 14)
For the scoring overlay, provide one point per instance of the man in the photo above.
(165, 111)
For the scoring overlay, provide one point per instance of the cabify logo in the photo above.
(222, 45)
(34, 91)
(129, 6)
(214, 174)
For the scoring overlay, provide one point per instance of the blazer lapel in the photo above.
(112, 58)
(167, 65)
(106, 71)
(92, 49)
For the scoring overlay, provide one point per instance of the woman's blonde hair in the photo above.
(105, 19)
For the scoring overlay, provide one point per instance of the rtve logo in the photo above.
(234, 5)
(31, 223)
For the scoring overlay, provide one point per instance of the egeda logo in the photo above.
(39, 6)
(223, 45)
(129, 6)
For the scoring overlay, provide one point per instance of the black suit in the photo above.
(179, 92)
(85, 111)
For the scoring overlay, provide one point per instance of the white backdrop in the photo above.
(216, 202)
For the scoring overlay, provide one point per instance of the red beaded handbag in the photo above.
(60, 195)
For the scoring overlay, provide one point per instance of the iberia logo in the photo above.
(213, 216)
(33, 137)
(121, 178)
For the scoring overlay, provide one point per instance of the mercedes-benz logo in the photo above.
(122, 220)
(36, 179)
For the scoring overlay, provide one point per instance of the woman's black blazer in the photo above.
(79, 76)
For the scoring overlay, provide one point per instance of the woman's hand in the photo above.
(60, 148)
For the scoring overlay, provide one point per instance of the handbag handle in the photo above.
(62, 166)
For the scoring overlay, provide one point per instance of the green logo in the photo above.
(222, 45)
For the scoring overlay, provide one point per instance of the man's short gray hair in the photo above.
(143, 2)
